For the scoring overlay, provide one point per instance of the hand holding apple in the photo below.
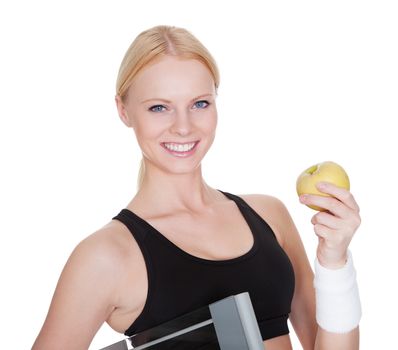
(326, 186)
(322, 172)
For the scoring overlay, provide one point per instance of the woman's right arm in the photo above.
(85, 295)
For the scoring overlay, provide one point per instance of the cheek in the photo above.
(148, 130)
(208, 122)
(143, 134)
(212, 124)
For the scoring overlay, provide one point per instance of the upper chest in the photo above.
(221, 233)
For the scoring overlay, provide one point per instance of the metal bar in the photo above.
(174, 335)
(235, 323)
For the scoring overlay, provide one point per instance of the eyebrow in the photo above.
(167, 101)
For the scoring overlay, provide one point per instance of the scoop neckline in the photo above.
(239, 258)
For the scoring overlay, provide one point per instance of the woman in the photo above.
(180, 244)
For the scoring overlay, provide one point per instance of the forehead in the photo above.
(172, 78)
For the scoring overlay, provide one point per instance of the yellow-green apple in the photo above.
(322, 172)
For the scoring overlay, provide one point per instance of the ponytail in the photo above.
(141, 173)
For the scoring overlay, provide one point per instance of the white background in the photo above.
(301, 82)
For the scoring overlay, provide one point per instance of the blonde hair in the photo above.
(153, 43)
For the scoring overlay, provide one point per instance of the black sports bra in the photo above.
(179, 282)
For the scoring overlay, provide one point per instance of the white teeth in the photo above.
(180, 148)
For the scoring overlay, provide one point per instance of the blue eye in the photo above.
(157, 108)
(201, 104)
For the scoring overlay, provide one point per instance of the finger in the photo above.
(340, 193)
(328, 220)
(331, 204)
(322, 231)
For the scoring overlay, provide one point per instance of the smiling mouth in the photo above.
(180, 148)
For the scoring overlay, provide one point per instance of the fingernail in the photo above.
(321, 185)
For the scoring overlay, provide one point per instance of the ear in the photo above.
(121, 109)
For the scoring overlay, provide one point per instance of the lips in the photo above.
(180, 149)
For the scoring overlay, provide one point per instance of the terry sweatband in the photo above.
(338, 307)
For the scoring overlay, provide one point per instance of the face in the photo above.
(171, 107)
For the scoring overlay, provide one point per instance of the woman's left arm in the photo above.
(335, 229)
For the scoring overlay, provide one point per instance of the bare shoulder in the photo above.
(87, 290)
(272, 210)
(107, 245)
(103, 251)
(264, 200)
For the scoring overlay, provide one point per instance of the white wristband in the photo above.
(338, 307)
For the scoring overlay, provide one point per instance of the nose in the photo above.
(182, 124)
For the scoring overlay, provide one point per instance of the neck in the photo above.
(172, 192)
